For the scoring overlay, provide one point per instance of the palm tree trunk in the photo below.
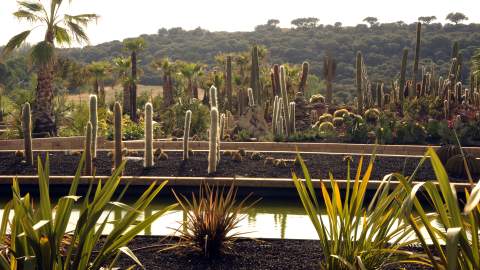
(126, 98)
(133, 90)
(43, 119)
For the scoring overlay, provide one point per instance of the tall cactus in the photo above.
(118, 134)
(283, 89)
(213, 148)
(222, 126)
(251, 98)
(275, 115)
(88, 149)
(255, 76)
(417, 57)
(94, 122)
(380, 95)
(329, 70)
(359, 83)
(291, 110)
(303, 80)
(213, 97)
(186, 134)
(27, 133)
(241, 101)
(229, 83)
(276, 79)
(148, 153)
(403, 71)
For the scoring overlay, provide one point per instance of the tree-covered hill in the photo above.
(381, 45)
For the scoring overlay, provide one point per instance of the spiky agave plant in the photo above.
(353, 235)
(38, 235)
(454, 232)
(212, 218)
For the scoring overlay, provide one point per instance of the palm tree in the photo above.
(61, 29)
(167, 68)
(99, 71)
(134, 46)
(121, 68)
(190, 71)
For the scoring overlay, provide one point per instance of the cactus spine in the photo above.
(148, 158)
(303, 81)
(283, 89)
(359, 83)
(27, 133)
(118, 134)
(213, 97)
(94, 122)
(403, 72)
(229, 83)
(251, 98)
(416, 60)
(186, 133)
(88, 149)
(213, 147)
(255, 76)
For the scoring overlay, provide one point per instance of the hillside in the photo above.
(381, 45)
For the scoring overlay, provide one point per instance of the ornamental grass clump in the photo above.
(353, 235)
(451, 227)
(36, 235)
(213, 216)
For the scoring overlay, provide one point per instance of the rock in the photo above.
(254, 121)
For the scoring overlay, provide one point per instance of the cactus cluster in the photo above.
(27, 133)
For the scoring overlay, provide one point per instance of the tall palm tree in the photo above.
(167, 68)
(190, 71)
(61, 29)
(121, 70)
(99, 71)
(134, 46)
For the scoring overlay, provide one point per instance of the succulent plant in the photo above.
(148, 153)
(326, 117)
(326, 127)
(338, 121)
(213, 152)
(94, 120)
(186, 134)
(318, 98)
(372, 116)
(27, 133)
(341, 113)
(88, 149)
(118, 135)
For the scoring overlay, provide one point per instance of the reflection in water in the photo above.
(269, 218)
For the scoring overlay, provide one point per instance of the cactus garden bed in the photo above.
(232, 163)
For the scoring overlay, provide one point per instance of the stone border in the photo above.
(76, 143)
(242, 182)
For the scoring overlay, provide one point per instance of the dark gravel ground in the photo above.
(246, 254)
(319, 165)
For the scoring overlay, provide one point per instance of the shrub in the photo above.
(355, 236)
(174, 117)
(212, 217)
(409, 132)
(39, 239)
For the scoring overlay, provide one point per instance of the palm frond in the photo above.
(42, 53)
(77, 32)
(26, 15)
(31, 6)
(81, 19)
(15, 42)
(61, 35)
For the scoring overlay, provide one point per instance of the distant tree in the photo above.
(338, 25)
(121, 74)
(190, 71)
(456, 17)
(273, 22)
(427, 19)
(305, 23)
(400, 23)
(60, 29)
(98, 72)
(373, 21)
(133, 46)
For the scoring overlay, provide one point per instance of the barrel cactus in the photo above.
(338, 121)
(445, 152)
(326, 127)
(318, 98)
(326, 117)
(341, 113)
(372, 115)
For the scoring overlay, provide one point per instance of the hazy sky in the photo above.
(122, 18)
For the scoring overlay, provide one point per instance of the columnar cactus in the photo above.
(403, 72)
(275, 115)
(276, 78)
(313, 117)
(255, 76)
(186, 134)
(380, 95)
(94, 122)
(359, 83)
(251, 98)
(118, 134)
(291, 110)
(281, 125)
(417, 56)
(88, 149)
(329, 70)
(303, 80)
(283, 89)
(213, 141)
(27, 133)
(229, 83)
(213, 97)
(148, 153)
(222, 126)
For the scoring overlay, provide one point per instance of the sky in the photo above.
(121, 18)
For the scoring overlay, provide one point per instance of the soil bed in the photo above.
(246, 254)
(319, 165)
